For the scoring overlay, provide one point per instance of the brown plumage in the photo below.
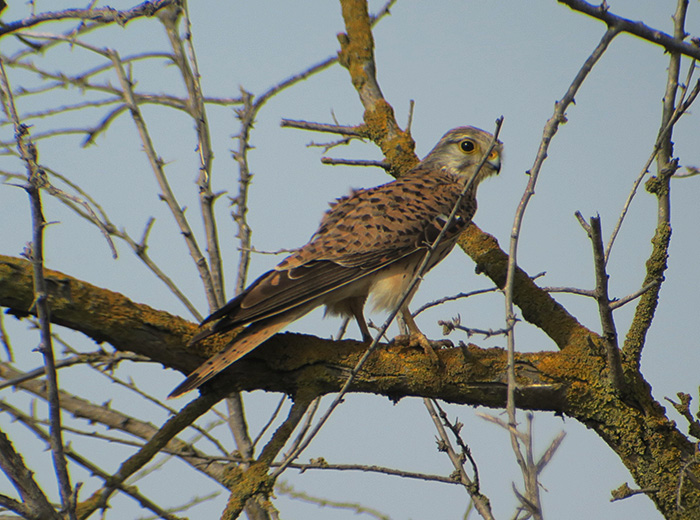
(368, 243)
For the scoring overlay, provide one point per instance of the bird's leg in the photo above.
(416, 337)
(356, 306)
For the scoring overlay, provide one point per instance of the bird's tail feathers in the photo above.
(247, 340)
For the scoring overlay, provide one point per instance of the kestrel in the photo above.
(369, 243)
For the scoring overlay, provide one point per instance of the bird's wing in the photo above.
(360, 235)
(278, 291)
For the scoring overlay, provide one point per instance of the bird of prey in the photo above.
(369, 243)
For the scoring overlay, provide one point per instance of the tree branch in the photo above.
(674, 44)
(35, 253)
(617, 378)
(104, 15)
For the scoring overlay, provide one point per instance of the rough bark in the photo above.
(570, 381)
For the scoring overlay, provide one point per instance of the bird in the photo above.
(369, 244)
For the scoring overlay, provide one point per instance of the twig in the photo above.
(5, 339)
(258, 480)
(624, 491)
(321, 464)
(660, 140)
(35, 502)
(284, 488)
(104, 15)
(157, 166)
(660, 186)
(269, 422)
(166, 433)
(459, 296)
(454, 324)
(616, 304)
(117, 421)
(140, 248)
(246, 115)
(185, 59)
(409, 123)
(35, 181)
(456, 429)
(550, 130)
(39, 372)
(481, 502)
(570, 290)
(617, 378)
(91, 467)
(673, 44)
(351, 131)
(355, 162)
(683, 408)
(239, 427)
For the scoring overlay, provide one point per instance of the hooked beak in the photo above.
(494, 160)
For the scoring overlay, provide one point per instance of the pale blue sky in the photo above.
(463, 62)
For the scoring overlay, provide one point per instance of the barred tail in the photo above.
(247, 340)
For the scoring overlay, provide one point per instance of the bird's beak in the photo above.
(494, 160)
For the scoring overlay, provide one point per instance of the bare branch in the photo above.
(481, 502)
(35, 181)
(616, 375)
(104, 15)
(166, 433)
(674, 44)
(351, 131)
(355, 162)
(35, 502)
(186, 61)
(459, 296)
(157, 166)
(322, 464)
(616, 304)
(661, 187)
(91, 467)
(683, 408)
(551, 127)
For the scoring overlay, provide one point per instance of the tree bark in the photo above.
(571, 381)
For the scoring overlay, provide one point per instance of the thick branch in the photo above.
(567, 381)
(537, 306)
(357, 56)
(100, 314)
(128, 326)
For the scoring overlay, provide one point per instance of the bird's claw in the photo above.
(419, 340)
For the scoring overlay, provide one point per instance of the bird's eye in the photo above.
(467, 146)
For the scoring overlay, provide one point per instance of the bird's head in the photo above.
(460, 151)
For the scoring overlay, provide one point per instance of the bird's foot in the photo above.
(419, 340)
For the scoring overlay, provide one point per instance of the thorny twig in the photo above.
(85, 463)
(103, 15)
(35, 182)
(550, 129)
(449, 326)
(481, 502)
